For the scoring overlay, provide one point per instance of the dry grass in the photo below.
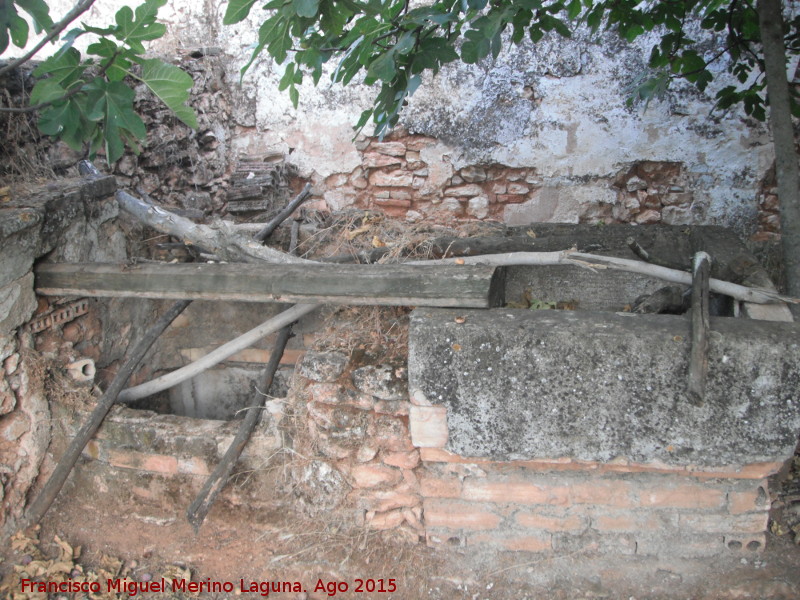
(23, 158)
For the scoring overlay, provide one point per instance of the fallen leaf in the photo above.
(378, 242)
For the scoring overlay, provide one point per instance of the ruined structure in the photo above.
(513, 429)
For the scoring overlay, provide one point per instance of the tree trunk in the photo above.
(780, 122)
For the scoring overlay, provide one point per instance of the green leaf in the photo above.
(39, 12)
(288, 77)
(64, 67)
(473, 51)
(382, 68)
(46, 90)
(133, 29)
(362, 120)
(172, 86)
(305, 8)
(237, 11)
(633, 32)
(59, 120)
(294, 96)
(19, 29)
(476, 4)
(112, 106)
(574, 8)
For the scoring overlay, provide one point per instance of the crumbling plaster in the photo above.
(557, 107)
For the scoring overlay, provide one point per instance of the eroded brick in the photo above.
(520, 492)
(369, 476)
(455, 514)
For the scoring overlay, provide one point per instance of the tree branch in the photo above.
(220, 240)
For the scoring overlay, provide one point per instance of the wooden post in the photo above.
(698, 361)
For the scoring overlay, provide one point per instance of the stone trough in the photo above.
(572, 429)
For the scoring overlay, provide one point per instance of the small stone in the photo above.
(452, 204)
(369, 476)
(393, 179)
(381, 382)
(464, 190)
(366, 453)
(323, 366)
(648, 216)
(389, 148)
(635, 184)
(402, 460)
(11, 363)
(374, 160)
(517, 188)
(387, 520)
(478, 207)
(473, 174)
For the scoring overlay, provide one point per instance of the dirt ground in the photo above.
(237, 547)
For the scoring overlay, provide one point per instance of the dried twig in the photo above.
(267, 230)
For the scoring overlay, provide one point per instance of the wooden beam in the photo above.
(473, 286)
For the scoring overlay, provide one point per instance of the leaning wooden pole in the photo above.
(216, 481)
(698, 360)
(65, 465)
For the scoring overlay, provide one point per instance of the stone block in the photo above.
(433, 485)
(389, 148)
(17, 303)
(391, 179)
(373, 160)
(467, 191)
(473, 174)
(536, 520)
(596, 386)
(428, 425)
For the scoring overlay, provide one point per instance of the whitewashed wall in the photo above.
(557, 108)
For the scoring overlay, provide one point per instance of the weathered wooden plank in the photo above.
(476, 286)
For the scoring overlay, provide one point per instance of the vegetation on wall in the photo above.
(89, 99)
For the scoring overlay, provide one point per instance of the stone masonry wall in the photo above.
(70, 220)
(550, 117)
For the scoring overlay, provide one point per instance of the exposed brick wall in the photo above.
(407, 176)
(564, 505)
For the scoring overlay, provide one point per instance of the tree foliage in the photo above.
(90, 99)
(389, 43)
